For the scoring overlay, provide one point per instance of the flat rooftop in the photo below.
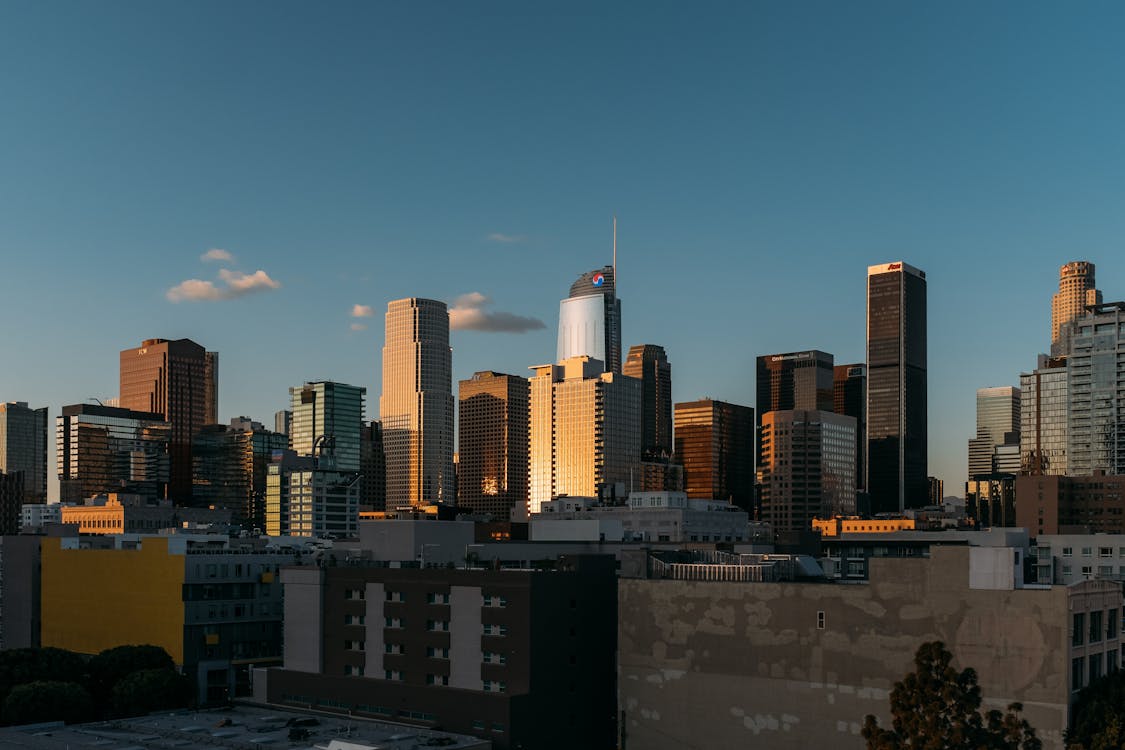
(242, 727)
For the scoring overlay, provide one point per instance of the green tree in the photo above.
(1098, 717)
(149, 690)
(935, 707)
(34, 702)
(23, 665)
(112, 665)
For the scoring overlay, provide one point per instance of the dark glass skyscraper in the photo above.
(896, 387)
(849, 391)
(649, 364)
(590, 320)
(715, 445)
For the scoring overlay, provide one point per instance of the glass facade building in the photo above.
(23, 447)
(896, 388)
(103, 449)
(590, 320)
(332, 411)
(1043, 418)
(998, 425)
(1096, 391)
(715, 445)
(230, 464)
(649, 364)
(492, 444)
(849, 396)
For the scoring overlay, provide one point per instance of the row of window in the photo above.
(1084, 670)
(1102, 625)
(1044, 553)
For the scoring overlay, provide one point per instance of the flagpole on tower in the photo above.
(615, 251)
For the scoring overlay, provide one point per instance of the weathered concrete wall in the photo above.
(713, 665)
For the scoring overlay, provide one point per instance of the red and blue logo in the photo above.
(598, 278)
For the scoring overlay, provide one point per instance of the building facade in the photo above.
(11, 502)
(372, 467)
(585, 431)
(327, 419)
(795, 380)
(1052, 504)
(416, 407)
(998, 425)
(102, 449)
(305, 500)
(849, 396)
(230, 465)
(715, 445)
(1077, 289)
(649, 364)
(590, 320)
(1044, 405)
(1095, 393)
(23, 447)
(492, 443)
(896, 387)
(178, 380)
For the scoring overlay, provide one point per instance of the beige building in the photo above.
(492, 443)
(1076, 290)
(416, 407)
(585, 429)
(799, 665)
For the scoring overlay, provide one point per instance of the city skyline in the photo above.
(298, 215)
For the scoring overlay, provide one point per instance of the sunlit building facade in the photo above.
(1077, 289)
(590, 320)
(585, 428)
(23, 447)
(492, 443)
(715, 445)
(649, 364)
(104, 449)
(1043, 418)
(416, 407)
(332, 411)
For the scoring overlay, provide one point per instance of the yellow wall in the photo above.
(837, 526)
(94, 599)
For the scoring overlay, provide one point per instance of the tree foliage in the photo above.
(112, 665)
(935, 707)
(1098, 716)
(149, 690)
(23, 665)
(34, 702)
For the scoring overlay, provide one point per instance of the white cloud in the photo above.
(194, 290)
(217, 254)
(362, 311)
(469, 313)
(359, 327)
(240, 283)
(235, 284)
(506, 238)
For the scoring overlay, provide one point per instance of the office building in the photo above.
(19, 589)
(230, 464)
(328, 415)
(849, 397)
(1043, 418)
(1052, 504)
(524, 658)
(282, 420)
(998, 425)
(648, 517)
(896, 387)
(937, 489)
(990, 500)
(492, 444)
(1096, 399)
(307, 500)
(416, 407)
(590, 320)
(11, 501)
(102, 449)
(372, 467)
(178, 380)
(715, 445)
(23, 447)
(585, 431)
(1077, 289)
(807, 467)
(796, 380)
(649, 364)
(116, 513)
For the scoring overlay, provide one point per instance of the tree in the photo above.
(935, 707)
(149, 690)
(34, 702)
(1098, 717)
(112, 665)
(22, 665)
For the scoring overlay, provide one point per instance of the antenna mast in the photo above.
(615, 252)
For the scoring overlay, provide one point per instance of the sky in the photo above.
(263, 177)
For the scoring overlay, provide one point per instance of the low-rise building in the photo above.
(116, 513)
(647, 517)
(1047, 504)
(838, 526)
(36, 515)
(848, 555)
(1068, 558)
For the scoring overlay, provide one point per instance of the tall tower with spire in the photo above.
(590, 318)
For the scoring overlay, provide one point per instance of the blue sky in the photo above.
(759, 156)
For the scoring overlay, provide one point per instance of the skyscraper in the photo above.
(492, 443)
(1043, 417)
(849, 390)
(230, 465)
(417, 407)
(590, 320)
(1077, 288)
(104, 449)
(23, 447)
(333, 411)
(998, 424)
(795, 380)
(715, 445)
(177, 379)
(372, 467)
(585, 431)
(649, 364)
(281, 421)
(896, 387)
(1096, 398)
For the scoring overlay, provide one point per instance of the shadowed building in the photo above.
(849, 397)
(231, 463)
(796, 380)
(103, 449)
(896, 388)
(178, 380)
(23, 447)
(372, 467)
(492, 443)
(590, 320)
(715, 445)
(649, 364)
(1043, 416)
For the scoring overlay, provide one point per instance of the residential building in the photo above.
(178, 380)
(23, 447)
(372, 467)
(303, 499)
(37, 515)
(590, 320)
(416, 407)
(1095, 375)
(801, 668)
(327, 414)
(849, 396)
(492, 444)
(585, 431)
(648, 517)
(806, 467)
(1052, 504)
(1065, 559)
(524, 658)
(1077, 289)
(104, 449)
(1044, 405)
(837, 526)
(896, 387)
(715, 445)
(230, 464)
(998, 425)
(649, 364)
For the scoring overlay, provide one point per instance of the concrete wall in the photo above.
(303, 628)
(465, 631)
(746, 665)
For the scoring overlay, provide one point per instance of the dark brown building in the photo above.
(11, 501)
(492, 443)
(1051, 504)
(179, 380)
(795, 380)
(649, 364)
(372, 467)
(849, 397)
(715, 445)
(524, 658)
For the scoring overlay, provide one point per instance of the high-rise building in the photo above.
(104, 449)
(327, 419)
(585, 431)
(1077, 289)
(372, 467)
(849, 391)
(795, 380)
(649, 364)
(1043, 413)
(590, 320)
(416, 407)
(1095, 378)
(492, 443)
(11, 501)
(715, 445)
(806, 468)
(23, 447)
(178, 380)
(230, 464)
(896, 387)
(998, 425)
(282, 421)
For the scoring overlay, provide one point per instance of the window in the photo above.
(1110, 661)
(392, 622)
(502, 630)
(497, 728)
(491, 657)
(1087, 570)
(1105, 571)
(495, 601)
(1111, 624)
(435, 598)
(441, 626)
(1095, 666)
(394, 648)
(351, 670)
(1068, 551)
(1066, 570)
(1087, 551)
(1079, 630)
(355, 619)
(354, 594)
(494, 686)
(437, 679)
(394, 596)
(820, 620)
(1076, 671)
(392, 674)
(1105, 551)
(435, 652)
(355, 645)
(1095, 630)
